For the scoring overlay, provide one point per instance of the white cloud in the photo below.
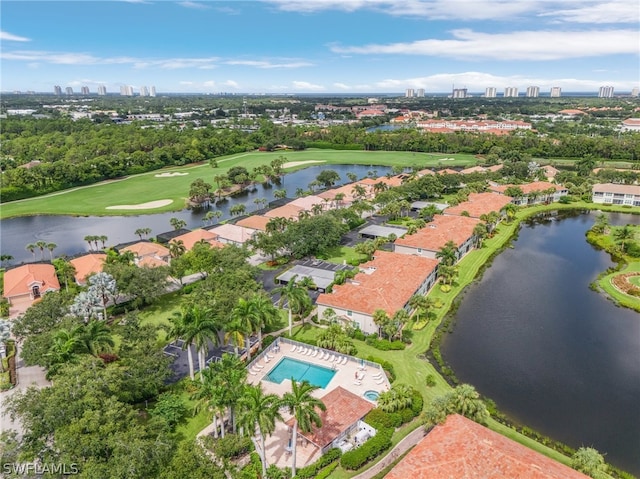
(229, 10)
(478, 81)
(523, 45)
(10, 37)
(195, 5)
(616, 11)
(209, 84)
(268, 65)
(186, 83)
(341, 86)
(306, 86)
(231, 83)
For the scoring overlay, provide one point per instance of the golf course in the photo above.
(165, 190)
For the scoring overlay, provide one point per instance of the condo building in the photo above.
(102, 90)
(605, 92)
(533, 92)
(490, 92)
(459, 93)
(57, 90)
(556, 92)
(409, 93)
(511, 92)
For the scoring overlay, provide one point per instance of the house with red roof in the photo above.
(462, 449)
(480, 204)
(288, 211)
(254, 222)
(233, 234)
(196, 236)
(427, 241)
(343, 416)
(615, 194)
(25, 284)
(533, 193)
(387, 282)
(148, 254)
(86, 265)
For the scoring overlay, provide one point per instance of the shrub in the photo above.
(431, 380)
(417, 404)
(406, 415)
(385, 344)
(327, 471)
(379, 419)
(632, 249)
(254, 468)
(232, 446)
(267, 340)
(311, 470)
(445, 288)
(565, 200)
(5, 383)
(371, 449)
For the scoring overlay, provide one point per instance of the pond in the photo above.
(553, 354)
(68, 232)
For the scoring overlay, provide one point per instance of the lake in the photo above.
(553, 354)
(68, 232)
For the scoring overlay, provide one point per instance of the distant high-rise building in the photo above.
(152, 92)
(491, 92)
(556, 92)
(144, 91)
(409, 93)
(459, 93)
(126, 90)
(57, 90)
(510, 92)
(69, 90)
(102, 90)
(420, 92)
(605, 92)
(84, 90)
(635, 91)
(533, 91)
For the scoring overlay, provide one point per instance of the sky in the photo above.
(319, 46)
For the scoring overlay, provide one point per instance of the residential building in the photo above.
(233, 234)
(152, 91)
(254, 222)
(149, 254)
(556, 92)
(481, 169)
(511, 92)
(126, 90)
(550, 172)
(144, 91)
(635, 91)
(533, 92)
(481, 126)
(86, 265)
(631, 124)
(615, 194)
(459, 93)
(480, 204)
(387, 282)
(409, 93)
(427, 241)
(288, 211)
(308, 202)
(25, 284)
(420, 93)
(57, 90)
(84, 90)
(69, 91)
(533, 193)
(605, 92)
(491, 92)
(196, 236)
(343, 416)
(462, 449)
(102, 90)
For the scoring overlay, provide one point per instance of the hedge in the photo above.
(232, 446)
(311, 470)
(385, 344)
(327, 470)
(379, 419)
(371, 449)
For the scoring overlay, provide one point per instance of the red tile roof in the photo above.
(462, 449)
(615, 188)
(192, 237)
(443, 228)
(255, 222)
(344, 409)
(528, 188)
(447, 171)
(19, 281)
(288, 211)
(387, 282)
(87, 265)
(147, 248)
(480, 204)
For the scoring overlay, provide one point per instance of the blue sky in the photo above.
(320, 46)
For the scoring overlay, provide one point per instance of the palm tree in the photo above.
(448, 254)
(177, 223)
(216, 215)
(5, 257)
(303, 407)
(5, 335)
(65, 346)
(211, 395)
(89, 240)
(194, 326)
(394, 327)
(259, 202)
(400, 396)
(65, 271)
(296, 297)
(359, 191)
(238, 209)
(206, 219)
(177, 248)
(103, 239)
(280, 194)
(265, 313)
(142, 232)
(420, 304)
(244, 322)
(380, 319)
(31, 248)
(41, 245)
(51, 247)
(97, 338)
(623, 234)
(510, 211)
(258, 413)
(480, 233)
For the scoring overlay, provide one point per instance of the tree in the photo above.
(359, 191)
(51, 247)
(480, 233)
(259, 202)
(585, 165)
(352, 177)
(177, 223)
(394, 327)
(103, 286)
(623, 235)
(295, 297)
(464, 400)
(238, 209)
(447, 273)
(143, 232)
(380, 319)
(31, 248)
(280, 194)
(97, 338)
(303, 407)
(258, 413)
(601, 225)
(420, 304)
(367, 248)
(264, 313)
(5, 258)
(199, 191)
(103, 239)
(195, 326)
(448, 254)
(177, 248)
(590, 462)
(511, 211)
(400, 396)
(514, 192)
(5, 335)
(41, 246)
(328, 178)
(66, 345)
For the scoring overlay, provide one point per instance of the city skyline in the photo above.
(320, 46)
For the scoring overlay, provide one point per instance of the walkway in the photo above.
(413, 438)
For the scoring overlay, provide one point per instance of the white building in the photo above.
(69, 90)
(556, 92)
(605, 92)
(490, 92)
(152, 92)
(126, 90)
(144, 91)
(57, 90)
(511, 92)
(409, 93)
(614, 194)
(420, 92)
(635, 91)
(533, 91)
(459, 93)
(102, 90)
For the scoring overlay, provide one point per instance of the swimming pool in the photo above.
(371, 395)
(288, 368)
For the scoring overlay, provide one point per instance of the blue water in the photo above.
(289, 368)
(372, 395)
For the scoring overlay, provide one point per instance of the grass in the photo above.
(136, 189)
(620, 298)
(340, 254)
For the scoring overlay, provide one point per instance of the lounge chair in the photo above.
(324, 355)
(266, 360)
(377, 376)
(357, 383)
(269, 356)
(332, 358)
(302, 351)
(380, 381)
(315, 353)
(252, 373)
(345, 360)
(258, 367)
(293, 348)
(309, 351)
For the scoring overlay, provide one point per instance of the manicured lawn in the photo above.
(158, 314)
(619, 297)
(195, 422)
(93, 199)
(340, 254)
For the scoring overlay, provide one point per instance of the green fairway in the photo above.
(93, 200)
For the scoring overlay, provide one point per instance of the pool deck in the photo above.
(307, 453)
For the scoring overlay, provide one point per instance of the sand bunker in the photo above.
(169, 175)
(447, 159)
(291, 164)
(142, 206)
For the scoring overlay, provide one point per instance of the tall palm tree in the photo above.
(480, 233)
(623, 235)
(177, 248)
(51, 247)
(89, 240)
(448, 254)
(194, 325)
(421, 304)
(400, 396)
(303, 406)
(295, 296)
(97, 338)
(66, 345)
(207, 219)
(31, 248)
(380, 319)
(211, 395)
(259, 412)
(265, 313)
(5, 335)
(103, 239)
(245, 322)
(41, 246)
(5, 257)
